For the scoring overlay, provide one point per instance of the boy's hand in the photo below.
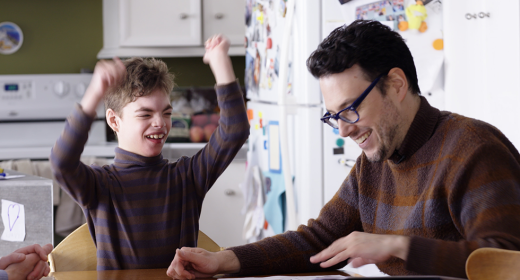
(107, 74)
(216, 47)
(217, 57)
(19, 255)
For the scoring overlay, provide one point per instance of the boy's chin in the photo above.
(150, 153)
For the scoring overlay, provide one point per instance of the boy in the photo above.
(141, 208)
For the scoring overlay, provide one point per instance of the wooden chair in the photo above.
(492, 263)
(77, 251)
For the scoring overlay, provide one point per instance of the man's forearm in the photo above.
(401, 246)
(228, 262)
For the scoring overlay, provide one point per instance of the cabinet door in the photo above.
(224, 17)
(221, 217)
(482, 51)
(160, 23)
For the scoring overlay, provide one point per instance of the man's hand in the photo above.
(217, 57)
(32, 267)
(363, 248)
(107, 74)
(191, 263)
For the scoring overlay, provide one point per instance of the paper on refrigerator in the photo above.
(13, 217)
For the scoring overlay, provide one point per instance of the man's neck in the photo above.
(411, 104)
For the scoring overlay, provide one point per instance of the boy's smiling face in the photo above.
(144, 124)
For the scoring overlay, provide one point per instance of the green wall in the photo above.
(65, 36)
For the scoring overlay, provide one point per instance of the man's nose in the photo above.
(345, 128)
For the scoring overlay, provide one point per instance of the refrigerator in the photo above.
(295, 162)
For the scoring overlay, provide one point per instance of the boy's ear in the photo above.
(112, 120)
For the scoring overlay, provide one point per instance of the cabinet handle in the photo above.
(480, 15)
(184, 16)
(219, 16)
(230, 192)
(470, 16)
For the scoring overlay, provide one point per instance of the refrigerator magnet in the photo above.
(273, 146)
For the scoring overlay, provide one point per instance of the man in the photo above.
(429, 188)
(29, 263)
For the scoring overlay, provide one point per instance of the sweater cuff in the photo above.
(226, 88)
(249, 265)
(420, 254)
(3, 275)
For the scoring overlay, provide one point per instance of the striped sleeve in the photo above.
(76, 178)
(3, 275)
(233, 130)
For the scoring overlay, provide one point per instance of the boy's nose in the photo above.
(158, 122)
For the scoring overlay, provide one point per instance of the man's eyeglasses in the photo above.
(349, 114)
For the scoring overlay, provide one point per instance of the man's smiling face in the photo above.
(379, 119)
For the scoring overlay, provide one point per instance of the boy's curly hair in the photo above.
(143, 77)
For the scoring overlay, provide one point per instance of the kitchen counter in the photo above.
(170, 151)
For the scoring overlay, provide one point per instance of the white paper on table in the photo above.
(13, 216)
(7, 176)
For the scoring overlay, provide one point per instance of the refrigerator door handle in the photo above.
(284, 139)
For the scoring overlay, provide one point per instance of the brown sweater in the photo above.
(454, 187)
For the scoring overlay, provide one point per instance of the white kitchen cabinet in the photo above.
(482, 62)
(169, 28)
(226, 17)
(159, 23)
(221, 218)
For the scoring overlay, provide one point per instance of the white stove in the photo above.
(33, 109)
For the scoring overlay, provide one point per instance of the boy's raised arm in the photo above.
(233, 129)
(71, 173)
(217, 57)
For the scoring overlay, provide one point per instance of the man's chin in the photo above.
(375, 157)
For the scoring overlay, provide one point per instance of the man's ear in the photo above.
(397, 83)
(112, 120)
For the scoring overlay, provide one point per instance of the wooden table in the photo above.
(144, 274)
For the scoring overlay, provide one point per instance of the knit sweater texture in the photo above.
(141, 209)
(453, 187)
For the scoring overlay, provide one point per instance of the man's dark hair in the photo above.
(371, 45)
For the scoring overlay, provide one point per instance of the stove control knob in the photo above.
(61, 89)
(80, 89)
